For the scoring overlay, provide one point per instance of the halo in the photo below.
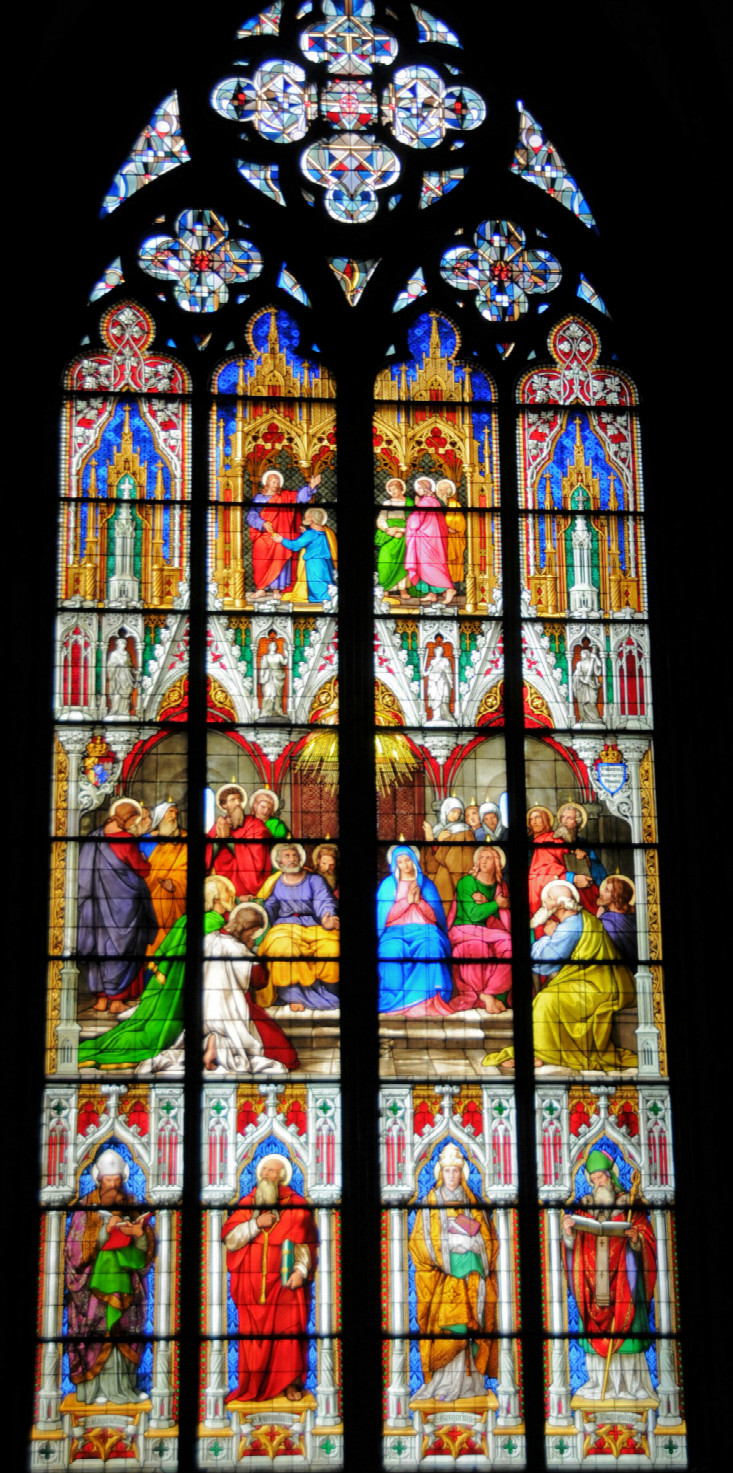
(411, 847)
(571, 803)
(495, 849)
(252, 905)
(287, 844)
(628, 882)
(319, 849)
(430, 481)
(109, 1151)
(540, 808)
(272, 472)
(223, 880)
(229, 788)
(131, 803)
(264, 793)
(551, 885)
(453, 1149)
(283, 1161)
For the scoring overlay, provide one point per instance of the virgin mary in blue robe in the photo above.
(413, 945)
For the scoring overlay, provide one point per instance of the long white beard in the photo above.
(266, 1193)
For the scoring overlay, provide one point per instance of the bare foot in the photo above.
(429, 599)
(539, 1063)
(491, 1003)
(117, 1006)
(297, 1007)
(507, 1067)
(100, 1005)
(209, 1063)
(449, 595)
(405, 596)
(294, 1392)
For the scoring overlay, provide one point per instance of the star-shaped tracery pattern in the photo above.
(500, 270)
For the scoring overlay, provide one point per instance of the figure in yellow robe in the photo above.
(455, 522)
(167, 877)
(588, 984)
(454, 1247)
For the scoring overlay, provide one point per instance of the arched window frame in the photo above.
(656, 327)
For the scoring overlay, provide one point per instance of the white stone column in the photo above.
(49, 1395)
(327, 1414)
(162, 1393)
(668, 1390)
(398, 1391)
(507, 1390)
(216, 1380)
(559, 1389)
(74, 744)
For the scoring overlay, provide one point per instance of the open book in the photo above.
(599, 1229)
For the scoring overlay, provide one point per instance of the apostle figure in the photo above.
(234, 1042)
(389, 539)
(611, 1266)
(121, 680)
(316, 545)
(116, 919)
(107, 1255)
(272, 512)
(547, 859)
(582, 867)
(272, 1251)
(587, 677)
(454, 1251)
(448, 853)
(326, 864)
(426, 546)
(455, 521)
(439, 683)
(168, 861)
(616, 897)
(246, 864)
(302, 946)
(273, 669)
(263, 805)
(413, 945)
(479, 930)
(587, 984)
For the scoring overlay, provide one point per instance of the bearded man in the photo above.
(116, 919)
(246, 864)
(426, 546)
(273, 512)
(272, 1251)
(168, 863)
(303, 944)
(611, 1268)
(582, 868)
(326, 864)
(454, 1250)
(587, 984)
(107, 1255)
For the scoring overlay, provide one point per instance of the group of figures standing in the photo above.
(270, 935)
(277, 531)
(443, 920)
(421, 541)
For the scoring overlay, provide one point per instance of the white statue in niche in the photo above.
(121, 679)
(272, 673)
(439, 679)
(587, 677)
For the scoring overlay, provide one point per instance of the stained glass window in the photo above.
(406, 691)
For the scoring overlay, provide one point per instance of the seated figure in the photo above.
(302, 945)
(413, 946)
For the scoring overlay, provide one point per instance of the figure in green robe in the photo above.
(389, 539)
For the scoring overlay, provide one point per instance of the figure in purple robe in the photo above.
(302, 945)
(616, 910)
(108, 1252)
(116, 918)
